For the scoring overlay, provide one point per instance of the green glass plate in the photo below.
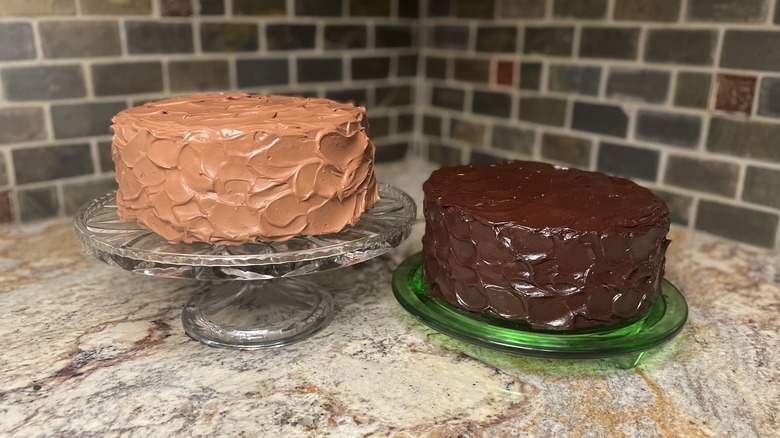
(661, 323)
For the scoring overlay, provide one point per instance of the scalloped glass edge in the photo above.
(661, 323)
(391, 234)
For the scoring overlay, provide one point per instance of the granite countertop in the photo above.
(89, 349)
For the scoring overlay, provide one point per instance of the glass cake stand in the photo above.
(627, 343)
(269, 308)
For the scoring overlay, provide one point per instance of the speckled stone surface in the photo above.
(87, 349)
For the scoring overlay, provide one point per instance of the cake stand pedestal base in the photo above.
(251, 315)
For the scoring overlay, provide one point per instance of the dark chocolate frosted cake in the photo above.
(557, 248)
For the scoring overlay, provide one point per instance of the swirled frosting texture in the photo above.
(557, 248)
(232, 168)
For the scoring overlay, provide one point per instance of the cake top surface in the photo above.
(540, 195)
(232, 114)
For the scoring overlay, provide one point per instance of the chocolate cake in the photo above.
(553, 247)
(232, 168)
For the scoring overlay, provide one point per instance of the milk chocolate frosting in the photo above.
(556, 248)
(232, 168)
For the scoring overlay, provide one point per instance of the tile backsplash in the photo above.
(682, 96)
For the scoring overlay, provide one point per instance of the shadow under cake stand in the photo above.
(272, 306)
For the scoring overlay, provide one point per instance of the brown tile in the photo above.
(432, 125)
(470, 132)
(474, 9)
(566, 149)
(379, 126)
(44, 163)
(176, 8)
(73, 39)
(75, 195)
(6, 209)
(505, 73)
(198, 75)
(21, 124)
(373, 8)
(24, 8)
(735, 93)
(116, 7)
(37, 203)
(709, 176)
(472, 70)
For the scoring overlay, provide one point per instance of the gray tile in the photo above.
(777, 14)
(663, 45)
(402, 95)
(84, 119)
(440, 8)
(673, 129)
(357, 96)
(176, 8)
(432, 125)
(679, 206)
(409, 9)
(472, 70)
(21, 124)
(708, 176)
(628, 161)
(543, 110)
(18, 42)
(75, 39)
(379, 126)
(450, 37)
(737, 223)
(393, 36)
(642, 85)
(751, 50)
(643, 10)
(574, 79)
(211, 7)
(600, 119)
(521, 8)
(566, 149)
(6, 207)
(406, 65)
(510, 138)
(476, 157)
(761, 186)
(492, 103)
(3, 171)
(374, 8)
(37, 203)
(290, 36)
(744, 138)
(553, 41)
(261, 72)
(44, 163)
(158, 37)
(530, 75)
(769, 99)
(609, 42)
(693, 89)
(46, 82)
(126, 78)
(582, 9)
(405, 123)
(391, 152)
(474, 9)
(318, 8)
(229, 37)
(727, 11)
(374, 67)
(198, 75)
(104, 154)
(443, 155)
(254, 7)
(445, 97)
(103, 7)
(345, 37)
(29, 8)
(496, 39)
(319, 70)
(76, 194)
(470, 132)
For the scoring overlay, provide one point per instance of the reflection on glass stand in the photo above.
(270, 307)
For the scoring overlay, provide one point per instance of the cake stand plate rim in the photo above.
(674, 315)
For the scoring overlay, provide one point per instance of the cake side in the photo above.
(232, 168)
(583, 269)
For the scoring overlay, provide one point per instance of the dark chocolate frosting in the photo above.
(557, 248)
